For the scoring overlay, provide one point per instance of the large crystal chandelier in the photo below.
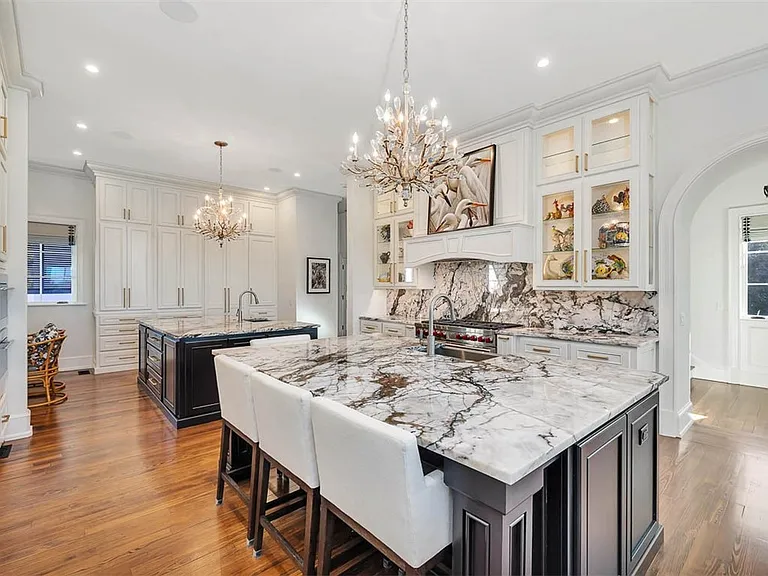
(410, 152)
(218, 220)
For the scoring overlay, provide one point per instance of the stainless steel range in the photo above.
(465, 333)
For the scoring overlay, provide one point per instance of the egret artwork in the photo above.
(466, 201)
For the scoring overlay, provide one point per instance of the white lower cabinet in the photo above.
(387, 328)
(370, 327)
(545, 346)
(117, 343)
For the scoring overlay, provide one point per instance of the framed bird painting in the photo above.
(466, 201)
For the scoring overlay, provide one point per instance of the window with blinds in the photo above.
(754, 233)
(51, 256)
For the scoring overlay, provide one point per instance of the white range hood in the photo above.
(501, 243)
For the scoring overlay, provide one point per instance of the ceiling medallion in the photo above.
(218, 220)
(410, 152)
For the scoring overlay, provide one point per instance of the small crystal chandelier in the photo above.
(410, 152)
(218, 220)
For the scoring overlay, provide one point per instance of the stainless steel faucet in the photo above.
(240, 303)
(432, 305)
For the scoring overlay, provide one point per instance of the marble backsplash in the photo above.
(504, 293)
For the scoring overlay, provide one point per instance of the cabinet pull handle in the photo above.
(6, 417)
(126, 358)
(123, 297)
(597, 357)
(126, 330)
(586, 279)
(642, 435)
(5, 126)
(576, 267)
(577, 163)
(178, 220)
(5, 238)
(545, 350)
(182, 295)
(178, 296)
(129, 297)
(586, 161)
(124, 214)
(126, 342)
(129, 213)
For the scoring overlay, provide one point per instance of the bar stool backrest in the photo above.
(235, 395)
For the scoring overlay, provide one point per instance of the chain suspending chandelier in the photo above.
(411, 151)
(218, 220)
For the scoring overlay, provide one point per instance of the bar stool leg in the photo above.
(261, 503)
(254, 488)
(310, 530)
(326, 539)
(222, 463)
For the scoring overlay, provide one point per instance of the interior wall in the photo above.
(286, 256)
(709, 267)
(57, 195)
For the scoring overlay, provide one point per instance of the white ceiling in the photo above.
(286, 83)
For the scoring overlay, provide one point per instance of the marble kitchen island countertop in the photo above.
(218, 326)
(607, 338)
(503, 417)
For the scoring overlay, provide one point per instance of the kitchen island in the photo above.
(552, 465)
(176, 366)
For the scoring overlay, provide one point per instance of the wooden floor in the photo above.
(107, 486)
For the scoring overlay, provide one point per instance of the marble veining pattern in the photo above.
(503, 417)
(504, 293)
(218, 326)
(575, 335)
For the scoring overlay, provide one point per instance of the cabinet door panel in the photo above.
(139, 258)
(168, 207)
(558, 149)
(191, 269)
(262, 269)
(140, 203)
(559, 219)
(237, 270)
(3, 212)
(113, 200)
(189, 205)
(168, 264)
(261, 218)
(215, 277)
(113, 266)
(611, 137)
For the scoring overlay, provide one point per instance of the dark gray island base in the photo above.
(176, 365)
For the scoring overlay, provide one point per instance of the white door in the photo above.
(237, 270)
(113, 200)
(169, 252)
(191, 269)
(112, 262)
(168, 213)
(261, 218)
(215, 278)
(262, 268)
(139, 203)
(139, 258)
(189, 205)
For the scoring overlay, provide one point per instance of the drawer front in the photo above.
(155, 339)
(370, 327)
(270, 313)
(392, 329)
(543, 346)
(410, 331)
(110, 343)
(119, 320)
(119, 358)
(154, 381)
(118, 330)
(601, 354)
(155, 360)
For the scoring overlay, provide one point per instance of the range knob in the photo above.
(458, 336)
(488, 339)
(473, 338)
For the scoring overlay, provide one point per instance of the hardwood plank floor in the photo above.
(107, 486)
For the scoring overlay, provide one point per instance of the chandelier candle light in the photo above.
(218, 220)
(410, 152)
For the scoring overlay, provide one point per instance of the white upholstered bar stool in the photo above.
(238, 416)
(287, 443)
(259, 342)
(372, 480)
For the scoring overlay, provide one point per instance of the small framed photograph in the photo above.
(318, 275)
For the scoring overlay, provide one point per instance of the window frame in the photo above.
(745, 283)
(77, 256)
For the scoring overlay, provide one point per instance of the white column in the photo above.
(18, 172)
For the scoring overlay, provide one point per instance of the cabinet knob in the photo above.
(642, 435)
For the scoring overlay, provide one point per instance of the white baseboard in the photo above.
(705, 371)
(19, 427)
(110, 369)
(73, 363)
(684, 419)
(675, 424)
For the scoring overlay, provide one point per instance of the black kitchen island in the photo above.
(176, 365)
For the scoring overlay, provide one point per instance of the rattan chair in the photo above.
(42, 368)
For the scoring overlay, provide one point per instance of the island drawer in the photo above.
(119, 357)
(391, 329)
(155, 339)
(125, 342)
(370, 327)
(544, 346)
(600, 353)
(154, 360)
(154, 381)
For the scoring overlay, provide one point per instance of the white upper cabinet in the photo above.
(139, 203)
(112, 267)
(3, 115)
(124, 201)
(139, 257)
(168, 268)
(512, 197)
(191, 269)
(215, 278)
(261, 218)
(558, 151)
(262, 264)
(3, 212)
(168, 207)
(237, 270)
(190, 202)
(114, 195)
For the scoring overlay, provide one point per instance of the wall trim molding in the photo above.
(293, 192)
(73, 363)
(19, 427)
(12, 54)
(44, 167)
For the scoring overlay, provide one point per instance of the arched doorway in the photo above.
(716, 163)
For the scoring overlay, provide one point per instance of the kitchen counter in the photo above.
(503, 417)
(394, 319)
(607, 338)
(218, 326)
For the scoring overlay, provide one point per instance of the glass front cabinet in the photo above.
(390, 233)
(594, 210)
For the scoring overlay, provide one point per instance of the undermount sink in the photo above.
(467, 354)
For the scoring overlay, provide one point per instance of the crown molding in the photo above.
(294, 192)
(11, 52)
(35, 166)
(654, 80)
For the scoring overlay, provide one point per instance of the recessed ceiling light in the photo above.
(77, 152)
(179, 11)
(92, 68)
(82, 126)
(297, 174)
(543, 63)
(266, 188)
(613, 121)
